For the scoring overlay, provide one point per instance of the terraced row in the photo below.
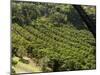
(51, 34)
(48, 40)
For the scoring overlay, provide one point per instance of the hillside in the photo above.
(54, 38)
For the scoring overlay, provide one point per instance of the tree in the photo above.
(90, 24)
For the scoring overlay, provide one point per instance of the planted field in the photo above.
(50, 39)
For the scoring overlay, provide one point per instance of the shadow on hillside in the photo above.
(93, 17)
(75, 19)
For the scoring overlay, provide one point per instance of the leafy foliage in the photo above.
(45, 31)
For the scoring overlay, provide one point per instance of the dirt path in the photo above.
(27, 68)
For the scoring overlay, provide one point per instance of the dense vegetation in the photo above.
(52, 35)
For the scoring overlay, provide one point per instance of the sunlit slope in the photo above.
(26, 68)
(64, 43)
